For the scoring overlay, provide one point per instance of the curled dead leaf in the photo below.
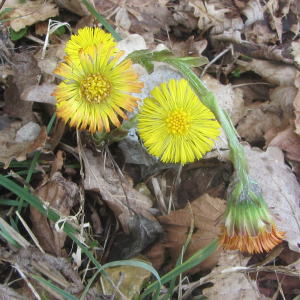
(10, 149)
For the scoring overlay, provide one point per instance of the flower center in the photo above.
(95, 88)
(178, 122)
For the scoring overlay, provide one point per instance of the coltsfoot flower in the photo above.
(86, 38)
(248, 224)
(96, 90)
(175, 125)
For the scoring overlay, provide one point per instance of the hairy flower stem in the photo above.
(243, 188)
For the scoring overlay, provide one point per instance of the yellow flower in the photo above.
(247, 224)
(175, 125)
(86, 39)
(97, 88)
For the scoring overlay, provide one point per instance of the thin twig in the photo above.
(215, 59)
(117, 285)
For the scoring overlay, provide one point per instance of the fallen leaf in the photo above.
(228, 98)
(282, 53)
(296, 104)
(25, 74)
(252, 90)
(28, 12)
(257, 122)
(122, 19)
(101, 176)
(149, 18)
(233, 285)
(187, 48)
(209, 14)
(296, 52)
(286, 139)
(40, 93)
(261, 33)
(274, 72)
(61, 195)
(281, 103)
(142, 233)
(11, 149)
(253, 12)
(280, 189)
(6, 121)
(75, 6)
(176, 225)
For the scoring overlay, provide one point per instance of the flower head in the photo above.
(248, 224)
(86, 39)
(175, 125)
(96, 90)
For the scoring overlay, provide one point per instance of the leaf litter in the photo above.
(262, 102)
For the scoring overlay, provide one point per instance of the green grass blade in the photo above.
(11, 202)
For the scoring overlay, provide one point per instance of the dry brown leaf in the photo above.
(75, 6)
(10, 149)
(261, 34)
(233, 285)
(296, 104)
(228, 98)
(252, 90)
(280, 189)
(28, 12)
(275, 22)
(274, 72)
(25, 73)
(209, 14)
(281, 104)
(253, 12)
(286, 139)
(282, 53)
(261, 117)
(176, 225)
(230, 35)
(40, 93)
(61, 195)
(296, 52)
(122, 19)
(101, 176)
(150, 18)
(187, 48)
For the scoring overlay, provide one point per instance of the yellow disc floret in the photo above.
(95, 88)
(178, 122)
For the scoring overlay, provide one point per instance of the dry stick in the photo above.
(35, 293)
(117, 285)
(35, 240)
(174, 187)
(159, 196)
(2, 3)
(215, 59)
